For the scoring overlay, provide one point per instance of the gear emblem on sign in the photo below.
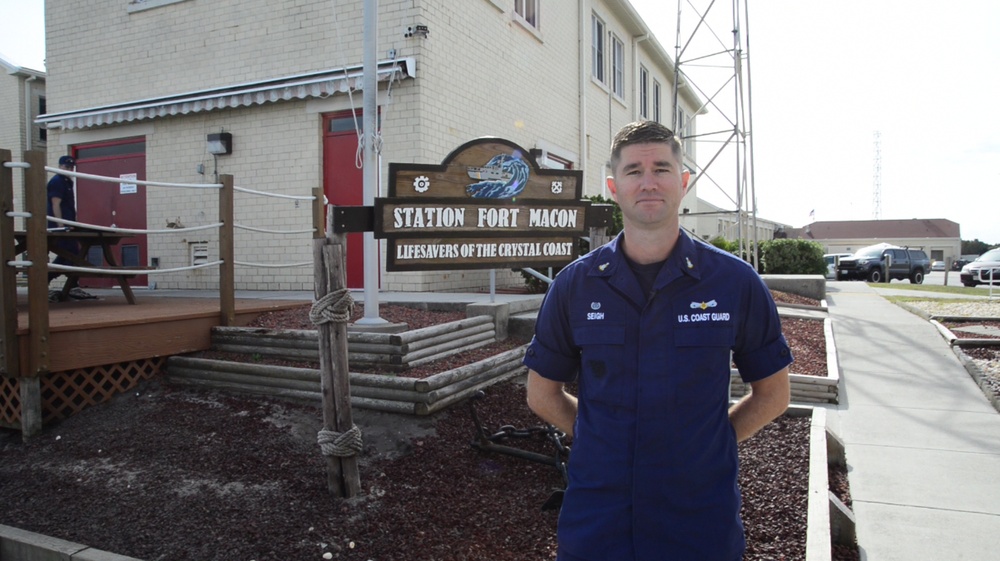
(556, 187)
(421, 184)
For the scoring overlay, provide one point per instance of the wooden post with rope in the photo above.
(340, 439)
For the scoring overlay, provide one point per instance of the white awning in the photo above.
(302, 86)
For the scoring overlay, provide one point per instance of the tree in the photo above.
(975, 247)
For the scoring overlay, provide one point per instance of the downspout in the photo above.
(27, 113)
(582, 93)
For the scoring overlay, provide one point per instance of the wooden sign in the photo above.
(488, 205)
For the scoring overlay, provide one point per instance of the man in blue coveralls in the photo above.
(647, 326)
(62, 204)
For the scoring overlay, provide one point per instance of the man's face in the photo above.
(648, 185)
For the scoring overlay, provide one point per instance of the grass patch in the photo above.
(957, 290)
(905, 299)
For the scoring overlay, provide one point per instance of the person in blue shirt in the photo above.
(647, 326)
(62, 204)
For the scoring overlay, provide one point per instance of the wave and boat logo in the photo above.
(503, 177)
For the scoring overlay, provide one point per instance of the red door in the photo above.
(343, 182)
(121, 204)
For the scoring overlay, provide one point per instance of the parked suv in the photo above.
(978, 272)
(884, 262)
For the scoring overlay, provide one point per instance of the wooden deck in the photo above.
(86, 333)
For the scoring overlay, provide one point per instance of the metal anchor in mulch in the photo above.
(545, 432)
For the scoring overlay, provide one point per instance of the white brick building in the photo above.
(135, 87)
(22, 99)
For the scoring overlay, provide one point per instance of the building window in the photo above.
(685, 130)
(643, 92)
(528, 10)
(43, 133)
(597, 42)
(656, 102)
(618, 66)
(548, 160)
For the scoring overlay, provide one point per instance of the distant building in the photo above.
(940, 238)
(22, 99)
(708, 221)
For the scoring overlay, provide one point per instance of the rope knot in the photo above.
(336, 306)
(342, 444)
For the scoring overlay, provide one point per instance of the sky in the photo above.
(824, 78)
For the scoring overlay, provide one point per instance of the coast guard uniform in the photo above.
(653, 469)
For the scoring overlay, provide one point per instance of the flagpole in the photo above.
(370, 166)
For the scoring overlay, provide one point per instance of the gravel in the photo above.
(963, 308)
(168, 473)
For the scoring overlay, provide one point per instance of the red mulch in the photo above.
(168, 473)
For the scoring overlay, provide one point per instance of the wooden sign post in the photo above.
(488, 205)
(340, 439)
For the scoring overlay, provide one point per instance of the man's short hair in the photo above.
(644, 132)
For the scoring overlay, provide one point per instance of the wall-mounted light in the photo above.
(220, 143)
(420, 30)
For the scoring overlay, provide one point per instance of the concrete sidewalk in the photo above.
(922, 442)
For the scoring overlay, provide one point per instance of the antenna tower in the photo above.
(877, 179)
(712, 59)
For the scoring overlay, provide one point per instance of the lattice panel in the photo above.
(10, 403)
(67, 393)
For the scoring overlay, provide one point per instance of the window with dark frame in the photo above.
(43, 133)
(656, 102)
(528, 10)
(618, 66)
(643, 92)
(597, 42)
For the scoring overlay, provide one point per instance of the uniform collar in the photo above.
(683, 260)
(609, 262)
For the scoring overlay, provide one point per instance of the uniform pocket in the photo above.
(702, 359)
(602, 363)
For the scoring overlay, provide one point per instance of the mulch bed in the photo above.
(167, 473)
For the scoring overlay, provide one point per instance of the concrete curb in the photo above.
(21, 545)
(970, 365)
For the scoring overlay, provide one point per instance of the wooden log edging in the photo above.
(415, 396)
(805, 388)
(396, 351)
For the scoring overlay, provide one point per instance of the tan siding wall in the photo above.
(15, 134)
(11, 123)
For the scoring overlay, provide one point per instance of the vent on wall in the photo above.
(199, 252)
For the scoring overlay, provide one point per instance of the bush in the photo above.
(724, 244)
(792, 257)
